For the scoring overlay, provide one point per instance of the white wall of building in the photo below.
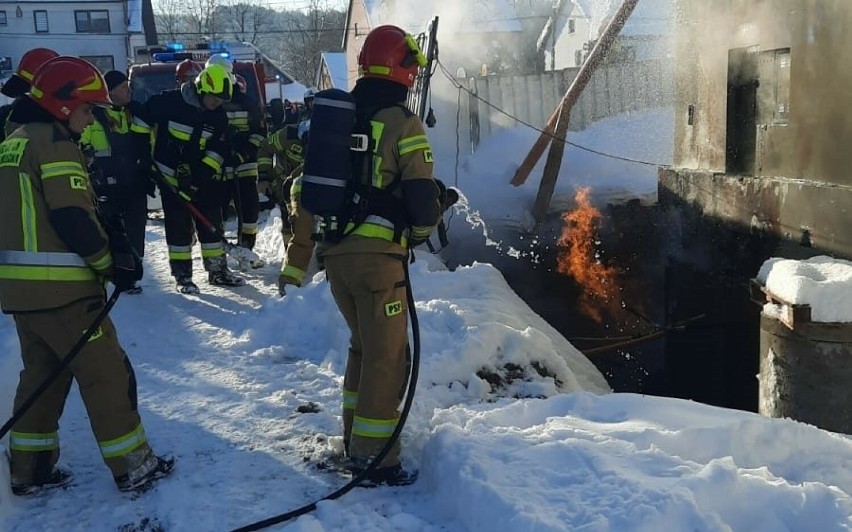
(566, 48)
(106, 50)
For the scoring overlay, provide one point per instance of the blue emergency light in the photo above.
(166, 57)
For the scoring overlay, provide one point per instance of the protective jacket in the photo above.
(399, 169)
(245, 134)
(280, 153)
(53, 250)
(116, 166)
(189, 140)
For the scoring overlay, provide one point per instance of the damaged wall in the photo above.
(762, 127)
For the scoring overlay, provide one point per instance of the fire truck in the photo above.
(153, 70)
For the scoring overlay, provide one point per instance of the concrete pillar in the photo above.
(806, 372)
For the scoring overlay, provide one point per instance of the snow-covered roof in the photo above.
(470, 16)
(335, 62)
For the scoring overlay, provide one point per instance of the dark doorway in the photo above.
(742, 111)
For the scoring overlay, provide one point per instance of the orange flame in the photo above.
(579, 258)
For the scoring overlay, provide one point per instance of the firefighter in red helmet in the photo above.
(365, 268)
(19, 84)
(186, 71)
(54, 257)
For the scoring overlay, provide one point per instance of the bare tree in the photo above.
(201, 15)
(317, 29)
(247, 20)
(170, 18)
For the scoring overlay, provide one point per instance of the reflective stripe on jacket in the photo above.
(42, 171)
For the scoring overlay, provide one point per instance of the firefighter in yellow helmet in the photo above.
(54, 255)
(365, 267)
(189, 152)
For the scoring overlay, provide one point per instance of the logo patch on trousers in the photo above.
(394, 308)
(97, 334)
(78, 183)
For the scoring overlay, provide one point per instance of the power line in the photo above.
(542, 131)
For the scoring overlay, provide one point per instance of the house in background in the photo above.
(564, 40)
(333, 72)
(481, 36)
(104, 32)
(572, 30)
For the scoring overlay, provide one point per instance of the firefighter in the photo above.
(189, 148)
(366, 267)
(245, 134)
(306, 111)
(54, 255)
(186, 71)
(19, 84)
(280, 153)
(118, 176)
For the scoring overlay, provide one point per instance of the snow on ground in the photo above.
(500, 445)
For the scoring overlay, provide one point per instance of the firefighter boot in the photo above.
(151, 469)
(394, 475)
(57, 479)
(184, 285)
(218, 273)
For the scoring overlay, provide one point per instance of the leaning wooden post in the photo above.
(573, 94)
(551, 167)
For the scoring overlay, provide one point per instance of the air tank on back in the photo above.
(328, 158)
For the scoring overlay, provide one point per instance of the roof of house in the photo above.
(335, 63)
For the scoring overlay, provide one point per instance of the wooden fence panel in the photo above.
(614, 89)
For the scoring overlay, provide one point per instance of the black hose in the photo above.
(96, 323)
(412, 386)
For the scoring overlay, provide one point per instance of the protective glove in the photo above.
(185, 187)
(126, 270)
(447, 197)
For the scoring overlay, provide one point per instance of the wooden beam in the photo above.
(551, 168)
(595, 58)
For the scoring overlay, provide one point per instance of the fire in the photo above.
(579, 258)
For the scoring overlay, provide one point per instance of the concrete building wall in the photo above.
(820, 84)
(762, 125)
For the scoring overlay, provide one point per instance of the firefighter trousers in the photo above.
(106, 381)
(132, 208)
(243, 192)
(370, 291)
(180, 228)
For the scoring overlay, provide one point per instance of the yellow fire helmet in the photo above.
(216, 81)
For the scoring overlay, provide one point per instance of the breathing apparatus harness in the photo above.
(337, 183)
